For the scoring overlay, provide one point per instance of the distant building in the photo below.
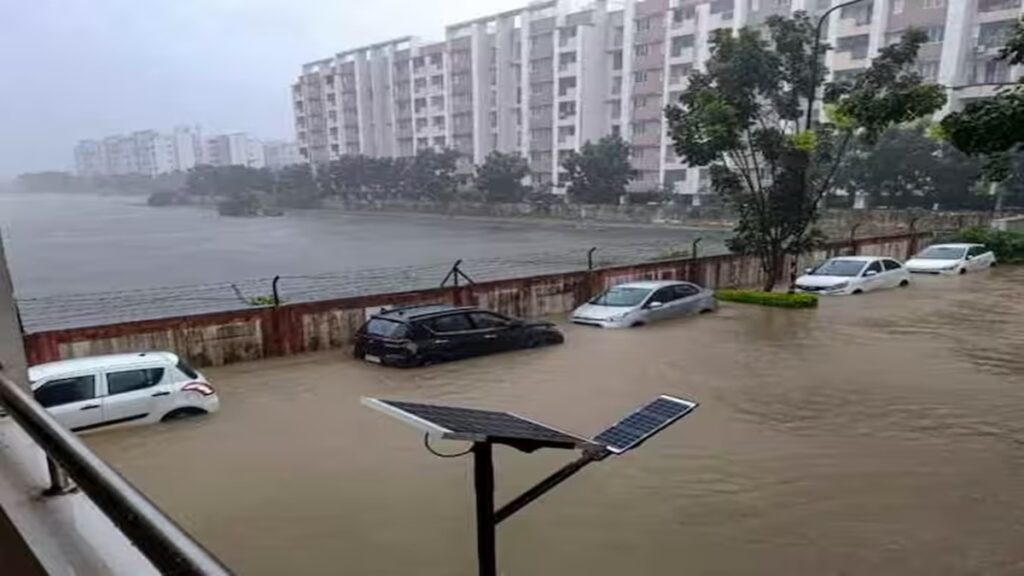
(281, 153)
(146, 152)
(239, 149)
(90, 159)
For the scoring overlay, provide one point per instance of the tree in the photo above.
(993, 128)
(742, 119)
(599, 173)
(500, 177)
(295, 187)
(907, 168)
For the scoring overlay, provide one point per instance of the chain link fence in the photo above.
(63, 311)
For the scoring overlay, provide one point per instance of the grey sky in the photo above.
(74, 69)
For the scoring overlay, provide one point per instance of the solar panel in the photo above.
(643, 423)
(473, 425)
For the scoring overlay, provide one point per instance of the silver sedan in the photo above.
(639, 303)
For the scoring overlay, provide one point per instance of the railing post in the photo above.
(60, 484)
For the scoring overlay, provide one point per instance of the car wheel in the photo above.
(904, 283)
(706, 310)
(182, 413)
(962, 271)
(636, 324)
(857, 291)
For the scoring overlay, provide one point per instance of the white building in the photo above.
(145, 152)
(281, 153)
(238, 149)
(544, 79)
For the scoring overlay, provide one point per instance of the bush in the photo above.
(1007, 246)
(776, 299)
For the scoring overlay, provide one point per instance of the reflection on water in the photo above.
(879, 434)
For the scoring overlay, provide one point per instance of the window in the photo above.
(66, 391)
(617, 85)
(891, 265)
(640, 76)
(129, 380)
(875, 267)
(641, 24)
(680, 43)
(639, 128)
(684, 291)
(932, 4)
(929, 71)
(641, 50)
(897, 6)
(187, 370)
(935, 33)
(639, 102)
(666, 294)
(486, 320)
(617, 60)
(719, 6)
(449, 323)
(976, 251)
(386, 328)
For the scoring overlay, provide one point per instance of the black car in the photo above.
(431, 333)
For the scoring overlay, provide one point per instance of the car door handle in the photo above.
(155, 394)
(490, 336)
(90, 407)
(441, 341)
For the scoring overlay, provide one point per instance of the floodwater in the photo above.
(879, 434)
(65, 243)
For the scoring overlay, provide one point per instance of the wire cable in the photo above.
(426, 442)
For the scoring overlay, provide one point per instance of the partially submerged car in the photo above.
(430, 333)
(853, 275)
(638, 303)
(958, 258)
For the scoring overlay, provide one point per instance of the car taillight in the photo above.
(201, 387)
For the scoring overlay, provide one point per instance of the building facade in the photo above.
(281, 153)
(146, 152)
(544, 79)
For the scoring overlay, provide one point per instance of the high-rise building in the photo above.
(146, 152)
(281, 153)
(544, 79)
(238, 149)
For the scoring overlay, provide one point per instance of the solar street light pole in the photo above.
(483, 480)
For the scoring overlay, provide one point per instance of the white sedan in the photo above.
(951, 259)
(853, 275)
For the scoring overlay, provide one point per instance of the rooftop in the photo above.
(42, 371)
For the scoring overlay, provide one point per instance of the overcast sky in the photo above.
(75, 69)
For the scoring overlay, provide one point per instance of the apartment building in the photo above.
(238, 149)
(546, 78)
(281, 153)
(145, 152)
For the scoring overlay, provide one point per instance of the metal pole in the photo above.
(277, 296)
(545, 485)
(483, 479)
(590, 258)
(693, 248)
(59, 482)
(814, 59)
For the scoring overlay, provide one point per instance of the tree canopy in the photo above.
(741, 117)
(500, 177)
(599, 172)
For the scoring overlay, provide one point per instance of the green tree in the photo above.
(500, 177)
(906, 168)
(599, 173)
(993, 128)
(742, 119)
(295, 187)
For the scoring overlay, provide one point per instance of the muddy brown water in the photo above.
(879, 434)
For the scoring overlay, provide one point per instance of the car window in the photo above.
(488, 320)
(976, 250)
(386, 328)
(891, 264)
(66, 391)
(450, 323)
(129, 380)
(685, 290)
(876, 266)
(666, 294)
(187, 370)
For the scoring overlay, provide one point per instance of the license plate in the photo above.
(372, 358)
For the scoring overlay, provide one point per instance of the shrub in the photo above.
(1007, 246)
(776, 299)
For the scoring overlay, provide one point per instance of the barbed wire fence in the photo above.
(62, 311)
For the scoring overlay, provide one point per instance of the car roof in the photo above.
(955, 245)
(92, 363)
(650, 284)
(416, 311)
(861, 258)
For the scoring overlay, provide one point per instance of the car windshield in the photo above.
(385, 328)
(621, 296)
(942, 253)
(839, 268)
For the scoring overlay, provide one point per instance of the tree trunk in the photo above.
(772, 264)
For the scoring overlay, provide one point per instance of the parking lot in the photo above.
(878, 434)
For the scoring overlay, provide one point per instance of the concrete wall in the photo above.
(12, 354)
(223, 338)
(835, 222)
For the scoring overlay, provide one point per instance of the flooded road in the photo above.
(879, 434)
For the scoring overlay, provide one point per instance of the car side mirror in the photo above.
(870, 273)
(808, 270)
(970, 257)
(655, 304)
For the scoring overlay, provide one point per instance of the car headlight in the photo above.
(840, 286)
(616, 317)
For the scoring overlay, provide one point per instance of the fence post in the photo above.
(273, 287)
(590, 257)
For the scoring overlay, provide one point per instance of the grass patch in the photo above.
(776, 299)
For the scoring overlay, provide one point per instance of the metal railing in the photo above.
(169, 548)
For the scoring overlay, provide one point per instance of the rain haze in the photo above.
(86, 69)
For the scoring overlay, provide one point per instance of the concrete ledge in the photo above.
(67, 534)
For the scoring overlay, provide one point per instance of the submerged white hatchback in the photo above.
(951, 259)
(639, 303)
(121, 389)
(853, 275)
